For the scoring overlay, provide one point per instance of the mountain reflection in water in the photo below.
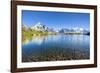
(56, 47)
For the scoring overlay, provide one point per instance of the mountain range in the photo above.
(41, 27)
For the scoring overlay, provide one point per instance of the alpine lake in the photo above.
(57, 47)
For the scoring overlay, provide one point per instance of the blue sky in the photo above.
(56, 20)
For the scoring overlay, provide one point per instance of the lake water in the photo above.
(56, 47)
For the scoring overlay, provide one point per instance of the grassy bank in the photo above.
(28, 33)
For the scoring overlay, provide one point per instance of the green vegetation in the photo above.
(30, 32)
(27, 33)
(38, 33)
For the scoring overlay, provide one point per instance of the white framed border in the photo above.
(53, 63)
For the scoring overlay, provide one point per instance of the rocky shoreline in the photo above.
(55, 57)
